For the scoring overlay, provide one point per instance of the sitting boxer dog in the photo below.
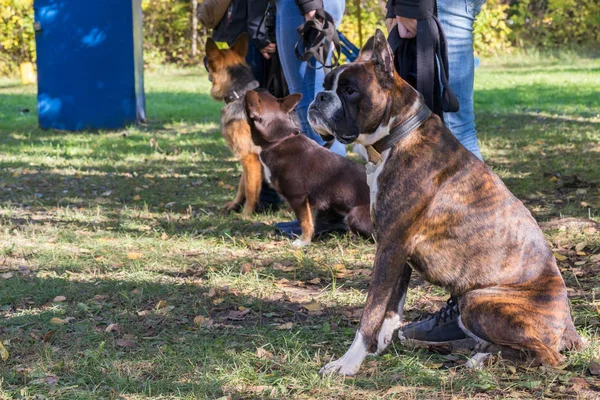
(438, 206)
(310, 177)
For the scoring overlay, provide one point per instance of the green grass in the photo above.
(126, 225)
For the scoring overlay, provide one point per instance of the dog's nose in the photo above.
(322, 96)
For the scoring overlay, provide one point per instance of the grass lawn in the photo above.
(121, 279)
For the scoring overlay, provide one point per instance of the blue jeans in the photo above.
(300, 77)
(457, 17)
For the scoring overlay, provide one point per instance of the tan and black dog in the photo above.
(439, 207)
(231, 78)
(308, 176)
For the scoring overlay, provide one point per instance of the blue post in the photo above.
(90, 63)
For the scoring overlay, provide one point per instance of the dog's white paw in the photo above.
(350, 363)
(477, 361)
(340, 367)
(300, 243)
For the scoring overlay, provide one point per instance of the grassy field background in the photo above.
(121, 279)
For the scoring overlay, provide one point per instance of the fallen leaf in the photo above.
(578, 383)
(7, 275)
(315, 281)
(112, 328)
(99, 297)
(559, 257)
(57, 321)
(578, 263)
(264, 354)
(137, 197)
(245, 268)
(134, 256)
(594, 368)
(580, 246)
(235, 315)
(313, 306)
(126, 343)
(107, 193)
(51, 380)
(286, 326)
(212, 292)
(161, 304)
(3, 352)
(46, 338)
(201, 320)
(59, 299)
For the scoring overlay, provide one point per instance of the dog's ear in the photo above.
(211, 49)
(240, 46)
(253, 107)
(366, 53)
(382, 54)
(290, 102)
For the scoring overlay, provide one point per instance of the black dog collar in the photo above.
(398, 133)
(238, 94)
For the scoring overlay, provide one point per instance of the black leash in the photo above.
(316, 38)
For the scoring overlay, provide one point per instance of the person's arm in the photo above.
(407, 12)
(211, 12)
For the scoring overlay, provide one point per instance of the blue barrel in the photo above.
(90, 64)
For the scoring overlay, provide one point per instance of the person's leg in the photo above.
(300, 77)
(256, 62)
(457, 17)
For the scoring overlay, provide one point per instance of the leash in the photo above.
(316, 37)
(234, 95)
(398, 133)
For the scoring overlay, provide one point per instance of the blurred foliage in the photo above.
(555, 23)
(491, 31)
(501, 25)
(372, 14)
(17, 38)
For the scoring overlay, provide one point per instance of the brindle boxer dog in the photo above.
(231, 78)
(439, 207)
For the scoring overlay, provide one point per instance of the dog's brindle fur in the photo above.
(446, 211)
(310, 177)
(230, 74)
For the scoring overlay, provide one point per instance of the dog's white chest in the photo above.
(266, 170)
(373, 172)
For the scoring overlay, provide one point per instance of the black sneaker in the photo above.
(326, 222)
(440, 331)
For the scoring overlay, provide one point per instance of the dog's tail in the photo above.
(359, 221)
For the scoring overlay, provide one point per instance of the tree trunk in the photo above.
(194, 29)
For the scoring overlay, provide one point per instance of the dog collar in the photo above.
(235, 95)
(398, 133)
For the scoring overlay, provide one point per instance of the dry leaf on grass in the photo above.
(203, 321)
(126, 343)
(264, 354)
(46, 338)
(3, 352)
(313, 307)
(559, 257)
(59, 299)
(7, 275)
(137, 197)
(57, 321)
(238, 315)
(245, 268)
(134, 255)
(287, 326)
(112, 328)
(162, 304)
(594, 368)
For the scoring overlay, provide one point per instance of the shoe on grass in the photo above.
(439, 332)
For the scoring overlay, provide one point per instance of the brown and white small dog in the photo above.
(231, 78)
(440, 207)
(308, 176)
